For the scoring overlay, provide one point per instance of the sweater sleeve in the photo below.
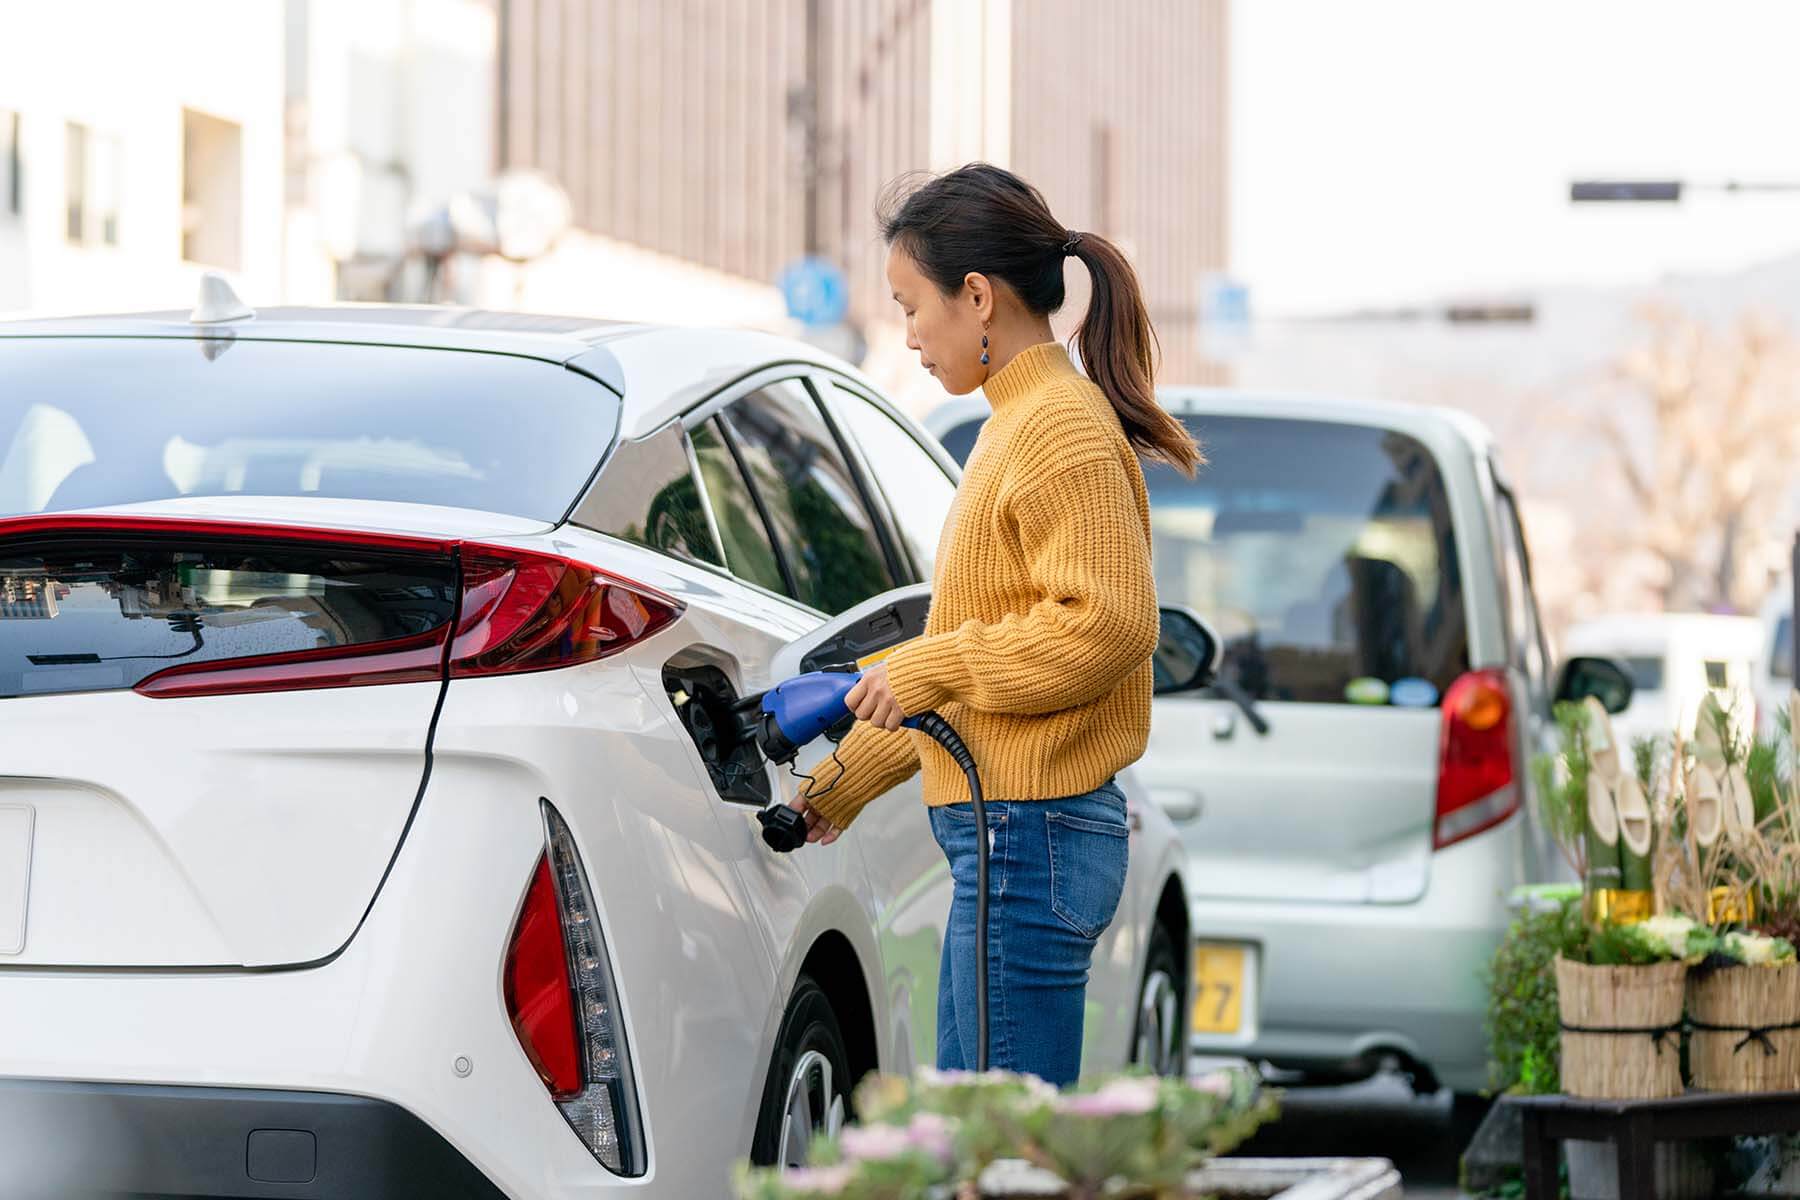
(1095, 621)
(869, 761)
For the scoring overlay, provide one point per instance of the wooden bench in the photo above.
(1636, 1126)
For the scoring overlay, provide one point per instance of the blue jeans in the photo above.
(1056, 871)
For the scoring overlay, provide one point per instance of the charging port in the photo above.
(703, 698)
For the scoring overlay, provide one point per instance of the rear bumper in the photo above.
(104, 1139)
(1341, 985)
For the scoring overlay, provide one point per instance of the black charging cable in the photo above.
(784, 830)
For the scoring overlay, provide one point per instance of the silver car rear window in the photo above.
(1324, 554)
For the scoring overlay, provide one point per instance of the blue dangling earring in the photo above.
(984, 353)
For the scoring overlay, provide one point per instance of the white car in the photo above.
(1677, 660)
(1354, 790)
(371, 820)
(1774, 671)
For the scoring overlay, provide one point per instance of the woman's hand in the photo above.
(818, 829)
(872, 700)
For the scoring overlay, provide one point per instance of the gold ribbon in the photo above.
(1620, 906)
(1726, 906)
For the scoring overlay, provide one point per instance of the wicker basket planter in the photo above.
(1738, 1044)
(1621, 1030)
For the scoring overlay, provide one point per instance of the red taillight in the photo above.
(1476, 786)
(409, 660)
(531, 612)
(539, 997)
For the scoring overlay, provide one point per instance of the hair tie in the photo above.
(1068, 247)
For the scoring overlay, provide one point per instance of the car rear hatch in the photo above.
(1324, 553)
(216, 704)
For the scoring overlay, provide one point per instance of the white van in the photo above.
(1676, 660)
(1775, 668)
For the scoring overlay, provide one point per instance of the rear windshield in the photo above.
(1646, 672)
(86, 614)
(1324, 555)
(89, 422)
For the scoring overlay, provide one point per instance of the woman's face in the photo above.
(945, 330)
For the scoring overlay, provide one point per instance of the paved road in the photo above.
(1377, 1119)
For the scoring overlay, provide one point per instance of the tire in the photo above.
(808, 1088)
(1159, 1035)
(1467, 1111)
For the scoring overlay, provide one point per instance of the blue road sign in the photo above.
(816, 292)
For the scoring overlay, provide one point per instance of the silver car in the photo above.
(1353, 792)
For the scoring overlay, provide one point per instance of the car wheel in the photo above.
(808, 1089)
(1159, 1042)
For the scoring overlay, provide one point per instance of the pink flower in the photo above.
(1120, 1098)
(1217, 1084)
(874, 1142)
(932, 1134)
(817, 1181)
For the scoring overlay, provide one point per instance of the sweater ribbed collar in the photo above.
(1031, 371)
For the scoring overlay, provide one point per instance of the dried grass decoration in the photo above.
(1621, 1011)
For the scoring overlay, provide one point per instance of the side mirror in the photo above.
(1602, 678)
(1187, 653)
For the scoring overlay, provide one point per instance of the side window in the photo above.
(748, 552)
(917, 490)
(959, 440)
(825, 535)
(648, 495)
(1524, 628)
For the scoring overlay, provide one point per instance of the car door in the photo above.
(798, 516)
(1325, 554)
(1528, 666)
(907, 871)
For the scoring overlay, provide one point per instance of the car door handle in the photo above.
(1178, 804)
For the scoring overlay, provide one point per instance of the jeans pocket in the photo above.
(1087, 870)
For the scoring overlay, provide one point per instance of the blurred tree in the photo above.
(1702, 425)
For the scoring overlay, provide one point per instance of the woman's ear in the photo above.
(978, 290)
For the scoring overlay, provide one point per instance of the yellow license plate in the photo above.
(1218, 989)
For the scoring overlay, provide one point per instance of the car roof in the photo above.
(1429, 423)
(659, 370)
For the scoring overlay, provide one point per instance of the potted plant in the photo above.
(1620, 993)
(1744, 1000)
(958, 1134)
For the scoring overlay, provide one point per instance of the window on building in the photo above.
(12, 191)
(212, 186)
(75, 175)
(105, 172)
(92, 170)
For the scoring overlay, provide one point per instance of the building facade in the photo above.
(743, 136)
(132, 162)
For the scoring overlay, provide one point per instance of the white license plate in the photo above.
(15, 874)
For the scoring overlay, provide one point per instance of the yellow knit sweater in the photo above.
(1043, 611)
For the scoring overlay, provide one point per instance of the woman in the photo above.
(1043, 618)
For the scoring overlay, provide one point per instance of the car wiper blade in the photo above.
(1246, 705)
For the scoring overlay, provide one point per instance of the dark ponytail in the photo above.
(986, 220)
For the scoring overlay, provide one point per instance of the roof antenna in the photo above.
(218, 303)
